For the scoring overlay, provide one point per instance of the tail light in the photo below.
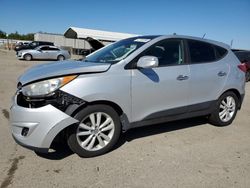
(243, 67)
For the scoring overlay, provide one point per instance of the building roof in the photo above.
(81, 33)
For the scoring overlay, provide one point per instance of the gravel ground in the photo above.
(189, 153)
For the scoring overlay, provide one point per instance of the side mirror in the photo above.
(148, 62)
(39, 50)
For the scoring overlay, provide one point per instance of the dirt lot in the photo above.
(189, 153)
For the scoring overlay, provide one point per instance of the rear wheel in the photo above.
(28, 57)
(60, 58)
(98, 131)
(225, 110)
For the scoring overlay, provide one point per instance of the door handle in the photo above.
(181, 77)
(222, 73)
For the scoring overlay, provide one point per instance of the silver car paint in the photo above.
(48, 54)
(44, 124)
(133, 90)
(63, 68)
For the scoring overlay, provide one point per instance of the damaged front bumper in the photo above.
(36, 122)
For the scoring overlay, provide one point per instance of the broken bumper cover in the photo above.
(36, 128)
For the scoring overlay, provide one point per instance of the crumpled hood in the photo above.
(57, 69)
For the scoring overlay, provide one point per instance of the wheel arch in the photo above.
(60, 55)
(237, 93)
(27, 54)
(61, 135)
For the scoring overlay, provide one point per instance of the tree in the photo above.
(2, 34)
(14, 36)
(17, 36)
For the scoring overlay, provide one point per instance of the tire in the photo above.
(27, 57)
(60, 58)
(87, 140)
(224, 115)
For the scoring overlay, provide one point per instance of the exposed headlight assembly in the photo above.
(46, 87)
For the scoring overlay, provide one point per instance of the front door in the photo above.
(161, 91)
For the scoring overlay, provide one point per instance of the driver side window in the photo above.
(168, 52)
(44, 48)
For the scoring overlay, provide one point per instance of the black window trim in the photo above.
(133, 62)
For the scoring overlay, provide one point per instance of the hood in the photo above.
(57, 69)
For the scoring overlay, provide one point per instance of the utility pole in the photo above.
(8, 45)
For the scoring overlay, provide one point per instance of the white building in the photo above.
(81, 33)
(74, 37)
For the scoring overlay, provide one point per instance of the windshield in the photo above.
(115, 52)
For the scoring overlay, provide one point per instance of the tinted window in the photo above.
(45, 48)
(200, 51)
(243, 56)
(33, 44)
(53, 49)
(48, 43)
(168, 52)
(220, 52)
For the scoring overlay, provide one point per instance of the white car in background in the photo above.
(45, 53)
(22, 43)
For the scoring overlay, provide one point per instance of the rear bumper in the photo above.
(36, 128)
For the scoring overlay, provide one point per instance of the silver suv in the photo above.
(134, 82)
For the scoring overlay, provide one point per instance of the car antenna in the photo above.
(204, 35)
(232, 43)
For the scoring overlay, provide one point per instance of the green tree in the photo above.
(17, 36)
(2, 34)
(29, 36)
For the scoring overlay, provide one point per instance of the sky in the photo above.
(221, 20)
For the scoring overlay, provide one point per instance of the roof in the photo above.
(197, 38)
(77, 33)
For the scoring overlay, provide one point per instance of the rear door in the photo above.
(53, 52)
(162, 91)
(208, 73)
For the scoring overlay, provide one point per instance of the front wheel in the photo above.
(225, 110)
(97, 133)
(60, 58)
(27, 57)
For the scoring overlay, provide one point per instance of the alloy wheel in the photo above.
(227, 109)
(95, 131)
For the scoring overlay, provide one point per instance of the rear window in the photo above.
(201, 52)
(53, 49)
(243, 56)
(220, 52)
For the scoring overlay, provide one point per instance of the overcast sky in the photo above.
(222, 20)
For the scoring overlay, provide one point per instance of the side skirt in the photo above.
(201, 109)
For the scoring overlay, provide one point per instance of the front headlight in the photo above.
(46, 87)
